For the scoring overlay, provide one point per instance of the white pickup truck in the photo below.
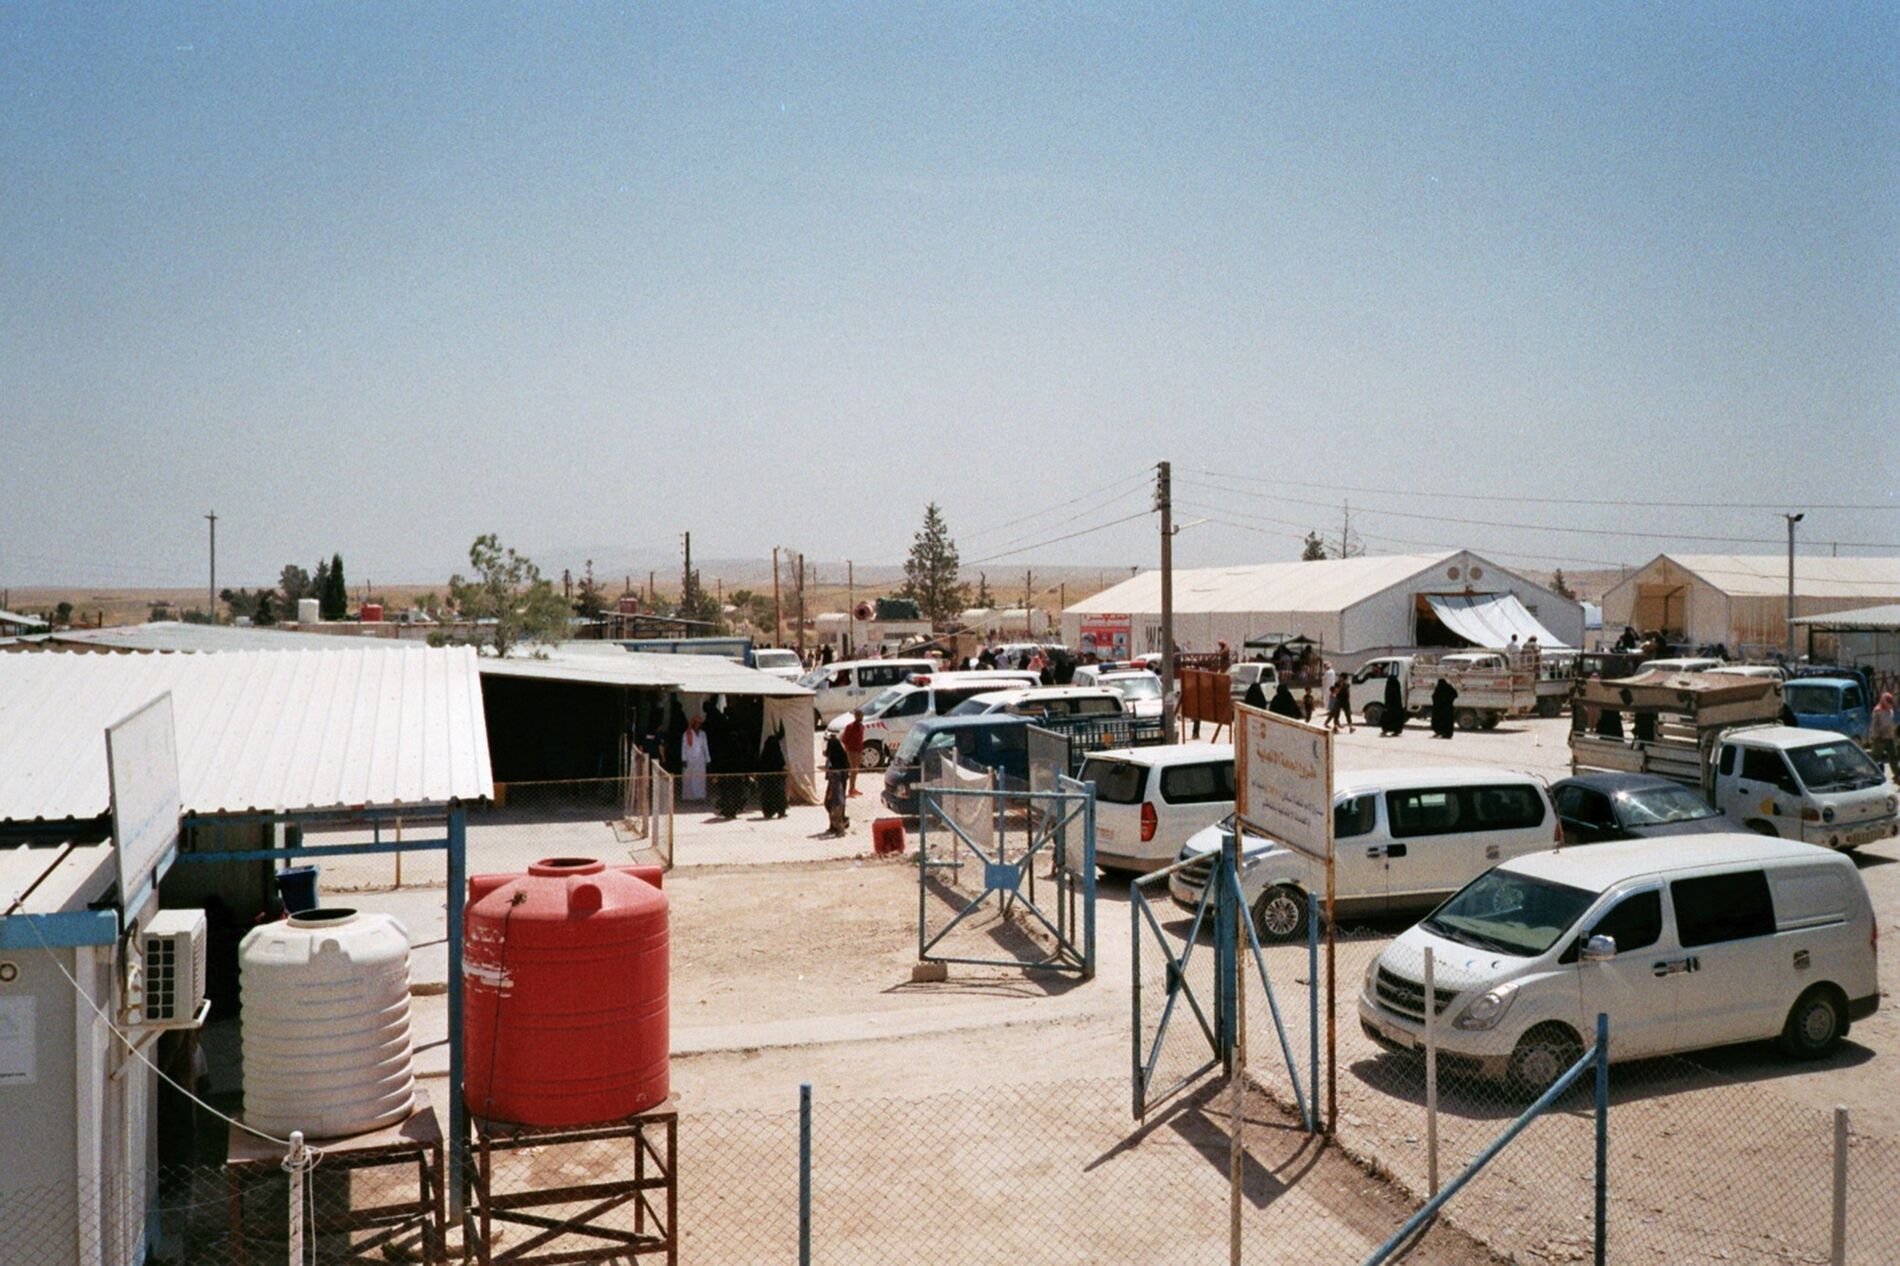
(1491, 685)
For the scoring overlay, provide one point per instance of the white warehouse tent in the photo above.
(1353, 607)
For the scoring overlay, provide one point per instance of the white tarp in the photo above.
(1491, 619)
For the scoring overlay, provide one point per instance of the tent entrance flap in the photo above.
(1490, 619)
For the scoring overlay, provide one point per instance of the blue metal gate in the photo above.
(1221, 909)
(1008, 835)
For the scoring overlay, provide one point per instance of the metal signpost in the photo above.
(1283, 780)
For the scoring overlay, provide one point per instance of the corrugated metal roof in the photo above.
(1331, 584)
(696, 674)
(1881, 617)
(16, 620)
(171, 635)
(58, 877)
(257, 730)
(1766, 575)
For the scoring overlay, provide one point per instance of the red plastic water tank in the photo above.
(372, 612)
(564, 1005)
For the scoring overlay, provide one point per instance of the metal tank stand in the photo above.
(416, 1141)
(592, 1221)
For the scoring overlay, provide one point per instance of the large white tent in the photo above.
(1741, 600)
(1353, 607)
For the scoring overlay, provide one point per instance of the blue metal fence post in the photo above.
(1088, 886)
(804, 1174)
(1603, 1137)
(1312, 1004)
(458, 1112)
(1226, 952)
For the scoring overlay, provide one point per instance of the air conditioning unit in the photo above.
(172, 969)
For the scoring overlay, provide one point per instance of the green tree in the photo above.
(1561, 587)
(264, 609)
(334, 596)
(509, 590)
(1314, 549)
(294, 583)
(63, 614)
(591, 600)
(930, 573)
(984, 598)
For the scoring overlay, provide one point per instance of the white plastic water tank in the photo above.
(307, 611)
(327, 1048)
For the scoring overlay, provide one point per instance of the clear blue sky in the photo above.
(375, 279)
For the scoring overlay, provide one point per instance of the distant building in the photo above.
(1353, 607)
(1741, 600)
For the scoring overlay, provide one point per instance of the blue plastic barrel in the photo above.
(297, 888)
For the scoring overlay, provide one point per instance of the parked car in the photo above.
(1403, 840)
(1598, 807)
(891, 716)
(1140, 689)
(1839, 704)
(1719, 939)
(1683, 664)
(999, 742)
(1045, 701)
(1150, 800)
(777, 662)
(854, 683)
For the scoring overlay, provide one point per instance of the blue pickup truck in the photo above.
(1829, 703)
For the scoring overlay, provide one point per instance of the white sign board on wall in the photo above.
(142, 763)
(1284, 774)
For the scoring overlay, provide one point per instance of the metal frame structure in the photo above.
(453, 842)
(1223, 1033)
(1049, 815)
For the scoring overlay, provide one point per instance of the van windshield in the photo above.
(1509, 913)
(1838, 766)
(878, 706)
(913, 743)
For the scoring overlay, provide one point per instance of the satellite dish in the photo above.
(863, 611)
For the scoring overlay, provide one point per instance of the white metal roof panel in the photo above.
(174, 635)
(257, 730)
(1766, 575)
(695, 674)
(58, 877)
(1881, 617)
(1322, 585)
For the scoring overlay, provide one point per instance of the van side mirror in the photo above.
(1599, 949)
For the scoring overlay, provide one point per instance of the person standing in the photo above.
(1328, 678)
(1392, 719)
(1444, 714)
(1256, 696)
(1308, 705)
(772, 775)
(1880, 735)
(1284, 704)
(853, 739)
(837, 774)
(695, 756)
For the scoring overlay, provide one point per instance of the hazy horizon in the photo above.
(375, 281)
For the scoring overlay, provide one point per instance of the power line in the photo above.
(1534, 527)
(1078, 516)
(1643, 503)
(1117, 486)
(1300, 530)
(1068, 536)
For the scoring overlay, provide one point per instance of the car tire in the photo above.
(1375, 713)
(873, 757)
(1467, 719)
(1491, 720)
(1816, 1024)
(1281, 914)
(1542, 1055)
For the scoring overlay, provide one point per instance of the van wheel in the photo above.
(1543, 1055)
(873, 757)
(1281, 914)
(1491, 720)
(1467, 719)
(1375, 713)
(1815, 1025)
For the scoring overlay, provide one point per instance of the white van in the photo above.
(1710, 940)
(854, 683)
(1044, 701)
(1812, 785)
(1692, 664)
(1241, 677)
(1368, 685)
(776, 661)
(1403, 840)
(1150, 800)
(890, 716)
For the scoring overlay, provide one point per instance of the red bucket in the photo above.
(887, 836)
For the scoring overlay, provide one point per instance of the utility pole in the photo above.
(1164, 502)
(778, 614)
(1029, 580)
(1792, 520)
(850, 587)
(686, 577)
(213, 592)
(801, 606)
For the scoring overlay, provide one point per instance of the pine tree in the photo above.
(930, 573)
(1561, 587)
(984, 598)
(1314, 550)
(334, 597)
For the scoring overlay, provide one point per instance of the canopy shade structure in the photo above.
(1491, 619)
